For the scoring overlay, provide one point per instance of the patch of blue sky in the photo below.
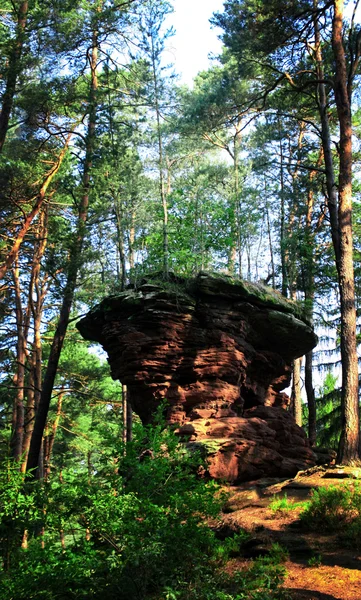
(195, 39)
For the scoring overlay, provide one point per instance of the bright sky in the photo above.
(194, 38)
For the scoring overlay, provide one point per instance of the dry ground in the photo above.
(318, 568)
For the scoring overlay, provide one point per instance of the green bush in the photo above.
(336, 509)
(329, 507)
(138, 531)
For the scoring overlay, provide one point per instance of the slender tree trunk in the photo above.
(235, 249)
(73, 268)
(311, 400)
(50, 438)
(163, 195)
(296, 401)
(13, 71)
(124, 412)
(131, 239)
(237, 200)
(120, 242)
(349, 448)
(35, 359)
(284, 284)
(340, 210)
(127, 416)
(269, 233)
(18, 433)
(291, 258)
(129, 421)
(309, 247)
(309, 295)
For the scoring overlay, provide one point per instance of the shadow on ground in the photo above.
(318, 567)
(310, 595)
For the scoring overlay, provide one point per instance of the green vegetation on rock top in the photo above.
(212, 284)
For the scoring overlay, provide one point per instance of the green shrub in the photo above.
(138, 533)
(336, 509)
(280, 505)
(315, 561)
(329, 508)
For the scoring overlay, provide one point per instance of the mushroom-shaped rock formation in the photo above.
(219, 352)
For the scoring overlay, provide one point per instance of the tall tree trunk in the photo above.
(291, 256)
(309, 296)
(127, 415)
(296, 401)
(120, 241)
(162, 191)
(349, 447)
(13, 71)
(311, 400)
(18, 433)
(269, 233)
(35, 360)
(237, 200)
(51, 436)
(73, 268)
(284, 283)
(131, 238)
(308, 279)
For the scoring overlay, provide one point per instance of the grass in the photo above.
(336, 509)
(315, 561)
(284, 504)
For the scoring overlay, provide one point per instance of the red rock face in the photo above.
(218, 355)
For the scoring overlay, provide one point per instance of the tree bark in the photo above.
(296, 401)
(35, 360)
(132, 238)
(269, 234)
(237, 200)
(163, 195)
(120, 241)
(311, 400)
(309, 301)
(50, 438)
(127, 414)
(349, 447)
(18, 432)
(284, 283)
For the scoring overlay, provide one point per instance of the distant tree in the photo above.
(211, 111)
(152, 44)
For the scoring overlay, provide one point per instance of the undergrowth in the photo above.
(137, 532)
(336, 509)
(284, 504)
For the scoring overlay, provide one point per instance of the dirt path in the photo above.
(318, 568)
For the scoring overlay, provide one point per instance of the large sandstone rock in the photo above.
(218, 351)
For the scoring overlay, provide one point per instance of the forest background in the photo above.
(109, 169)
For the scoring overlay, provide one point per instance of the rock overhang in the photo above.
(274, 318)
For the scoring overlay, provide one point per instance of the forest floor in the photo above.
(318, 566)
